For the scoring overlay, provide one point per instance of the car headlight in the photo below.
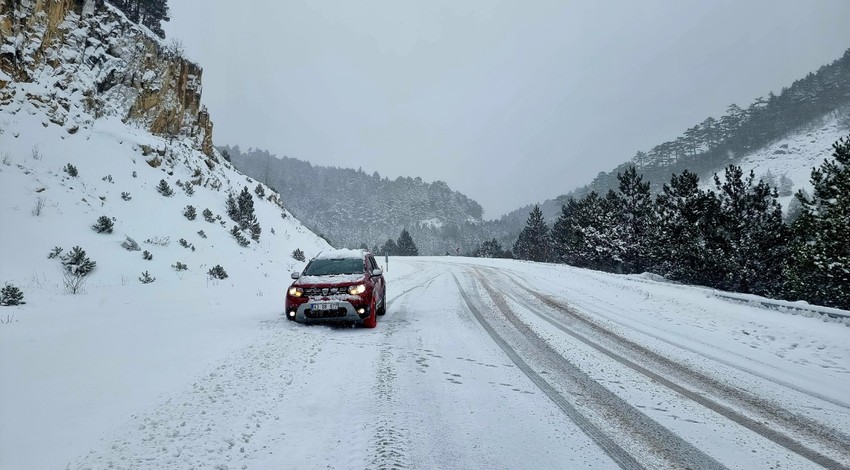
(296, 291)
(358, 289)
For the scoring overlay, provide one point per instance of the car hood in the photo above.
(329, 281)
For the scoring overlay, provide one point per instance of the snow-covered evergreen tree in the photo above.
(754, 234)
(245, 204)
(819, 266)
(533, 242)
(405, 245)
(637, 217)
(11, 295)
(390, 247)
(686, 244)
(231, 208)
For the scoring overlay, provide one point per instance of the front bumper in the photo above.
(326, 311)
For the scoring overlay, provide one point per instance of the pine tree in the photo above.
(533, 241)
(390, 248)
(490, 249)
(103, 225)
(637, 216)
(76, 262)
(189, 212)
(164, 189)
(245, 205)
(754, 235)
(819, 266)
(686, 244)
(231, 208)
(11, 295)
(405, 245)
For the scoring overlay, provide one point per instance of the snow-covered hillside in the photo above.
(92, 91)
(44, 207)
(794, 156)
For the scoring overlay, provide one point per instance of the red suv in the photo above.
(338, 286)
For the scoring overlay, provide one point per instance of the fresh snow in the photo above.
(342, 253)
(216, 377)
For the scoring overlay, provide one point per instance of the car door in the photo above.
(380, 288)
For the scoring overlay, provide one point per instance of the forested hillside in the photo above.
(707, 147)
(351, 208)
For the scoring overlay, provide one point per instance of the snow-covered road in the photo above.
(485, 364)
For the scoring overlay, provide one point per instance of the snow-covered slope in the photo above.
(130, 329)
(795, 155)
(107, 156)
(84, 86)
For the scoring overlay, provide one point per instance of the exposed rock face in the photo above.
(81, 60)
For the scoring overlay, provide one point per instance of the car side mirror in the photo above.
(295, 275)
(377, 272)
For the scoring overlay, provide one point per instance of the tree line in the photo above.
(732, 237)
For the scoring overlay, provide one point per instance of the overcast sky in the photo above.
(509, 103)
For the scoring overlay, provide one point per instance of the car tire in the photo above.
(372, 320)
(383, 309)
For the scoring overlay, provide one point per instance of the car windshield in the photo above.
(325, 267)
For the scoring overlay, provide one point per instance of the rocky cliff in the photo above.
(80, 60)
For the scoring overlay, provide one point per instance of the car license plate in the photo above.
(324, 306)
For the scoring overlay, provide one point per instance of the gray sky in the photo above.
(509, 103)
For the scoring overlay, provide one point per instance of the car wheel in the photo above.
(372, 320)
(383, 309)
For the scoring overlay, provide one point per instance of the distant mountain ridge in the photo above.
(706, 148)
(809, 114)
(351, 208)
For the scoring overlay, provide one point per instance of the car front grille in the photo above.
(324, 291)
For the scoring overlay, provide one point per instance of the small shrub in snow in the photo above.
(186, 244)
(108, 179)
(298, 255)
(11, 295)
(260, 191)
(73, 282)
(7, 158)
(147, 256)
(189, 212)
(126, 196)
(255, 231)
(208, 215)
(146, 278)
(135, 174)
(160, 241)
(189, 188)
(272, 230)
(202, 234)
(179, 266)
(56, 251)
(71, 170)
(237, 234)
(103, 225)
(130, 245)
(76, 262)
(283, 215)
(164, 189)
(39, 206)
(217, 272)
